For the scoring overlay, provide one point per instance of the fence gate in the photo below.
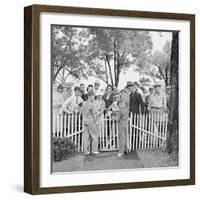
(108, 139)
(147, 131)
(71, 126)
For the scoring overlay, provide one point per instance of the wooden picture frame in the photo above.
(32, 98)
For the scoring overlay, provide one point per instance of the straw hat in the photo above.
(116, 92)
(129, 83)
(96, 82)
(68, 84)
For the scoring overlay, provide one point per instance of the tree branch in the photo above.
(161, 73)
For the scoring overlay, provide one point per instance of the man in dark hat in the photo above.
(136, 106)
(129, 83)
(136, 102)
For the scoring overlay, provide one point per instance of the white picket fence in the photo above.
(109, 134)
(147, 131)
(71, 126)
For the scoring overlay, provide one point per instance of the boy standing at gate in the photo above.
(122, 119)
(90, 138)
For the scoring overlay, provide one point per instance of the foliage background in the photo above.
(110, 55)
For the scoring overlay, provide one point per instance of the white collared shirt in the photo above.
(72, 104)
(157, 101)
(57, 99)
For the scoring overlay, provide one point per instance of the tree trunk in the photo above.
(110, 70)
(172, 137)
(118, 71)
(167, 75)
(106, 71)
(115, 61)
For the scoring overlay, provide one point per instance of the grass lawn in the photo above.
(103, 161)
(109, 161)
(157, 158)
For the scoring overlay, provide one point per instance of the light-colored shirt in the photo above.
(157, 101)
(126, 98)
(72, 104)
(124, 113)
(57, 99)
(99, 106)
(114, 107)
(67, 95)
(97, 91)
(88, 112)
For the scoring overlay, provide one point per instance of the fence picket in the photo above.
(137, 121)
(64, 125)
(54, 125)
(148, 129)
(157, 128)
(133, 138)
(166, 122)
(140, 133)
(75, 127)
(61, 125)
(113, 134)
(129, 128)
(145, 144)
(102, 132)
(110, 132)
(106, 138)
(117, 127)
(57, 125)
(143, 134)
(152, 130)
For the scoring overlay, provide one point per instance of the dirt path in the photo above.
(103, 161)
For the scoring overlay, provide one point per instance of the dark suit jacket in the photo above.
(108, 101)
(84, 96)
(135, 102)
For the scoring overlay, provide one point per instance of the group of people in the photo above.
(94, 104)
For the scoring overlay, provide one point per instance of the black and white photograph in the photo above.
(114, 98)
(109, 99)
